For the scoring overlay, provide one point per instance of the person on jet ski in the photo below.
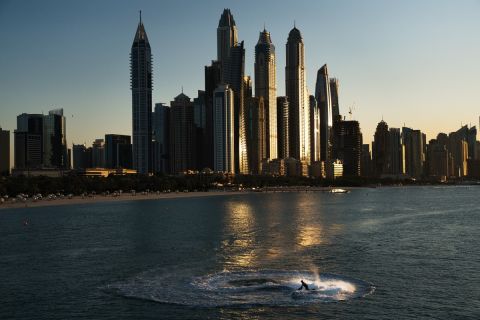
(304, 285)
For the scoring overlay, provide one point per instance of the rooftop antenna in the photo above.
(264, 26)
(294, 24)
(182, 89)
(140, 16)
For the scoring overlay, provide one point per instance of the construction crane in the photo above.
(350, 110)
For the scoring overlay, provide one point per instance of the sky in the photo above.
(412, 62)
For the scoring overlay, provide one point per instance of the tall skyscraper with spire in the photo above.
(266, 87)
(322, 94)
(296, 90)
(141, 85)
(231, 56)
(227, 36)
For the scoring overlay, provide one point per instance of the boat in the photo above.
(338, 190)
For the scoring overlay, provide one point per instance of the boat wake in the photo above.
(242, 289)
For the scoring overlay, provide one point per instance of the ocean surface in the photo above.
(384, 253)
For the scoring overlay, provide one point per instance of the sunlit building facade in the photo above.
(223, 121)
(296, 91)
(265, 87)
(322, 94)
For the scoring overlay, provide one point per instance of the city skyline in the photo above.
(367, 114)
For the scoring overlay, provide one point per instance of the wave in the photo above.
(242, 288)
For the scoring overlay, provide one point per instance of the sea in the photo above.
(372, 253)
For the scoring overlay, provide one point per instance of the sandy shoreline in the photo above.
(124, 197)
(151, 196)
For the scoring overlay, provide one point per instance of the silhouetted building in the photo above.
(223, 130)
(55, 154)
(414, 152)
(282, 127)
(28, 141)
(81, 158)
(437, 161)
(32, 153)
(161, 134)
(366, 161)
(182, 135)
(213, 77)
(4, 152)
(141, 85)
(396, 153)
(473, 168)
(98, 153)
(296, 90)
(322, 94)
(347, 146)
(275, 167)
(27, 150)
(200, 121)
(380, 148)
(40, 141)
(256, 133)
(118, 151)
(334, 87)
(266, 87)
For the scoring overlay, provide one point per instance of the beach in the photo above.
(110, 198)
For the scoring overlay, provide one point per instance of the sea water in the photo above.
(384, 253)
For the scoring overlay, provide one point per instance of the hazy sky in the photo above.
(411, 61)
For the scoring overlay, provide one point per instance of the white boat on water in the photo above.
(338, 190)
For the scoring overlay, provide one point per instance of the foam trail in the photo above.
(241, 288)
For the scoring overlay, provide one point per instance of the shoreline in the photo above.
(76, 200)
(124, 197)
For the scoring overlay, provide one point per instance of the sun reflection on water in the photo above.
(240, 230)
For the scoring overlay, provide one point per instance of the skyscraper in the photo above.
(141, 85)
(396, 152)
(296, 90)
(437, 160)
(282, 127)
(98, 153)
(200, 121)
(314, 130)
(80, 157)
(213, 77)
(28, 141)
(4, 152)
(414, 154)
(366, 161)
(231, 58)
(227, 36)
(322, 94)
(182, 134)
(266, 87)
(256, 133)
(334, 86)
(161, 129)
(347, 146)
(380, 149)
(55, 153)
(223, 120)
(234, 76)
(118, 151)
